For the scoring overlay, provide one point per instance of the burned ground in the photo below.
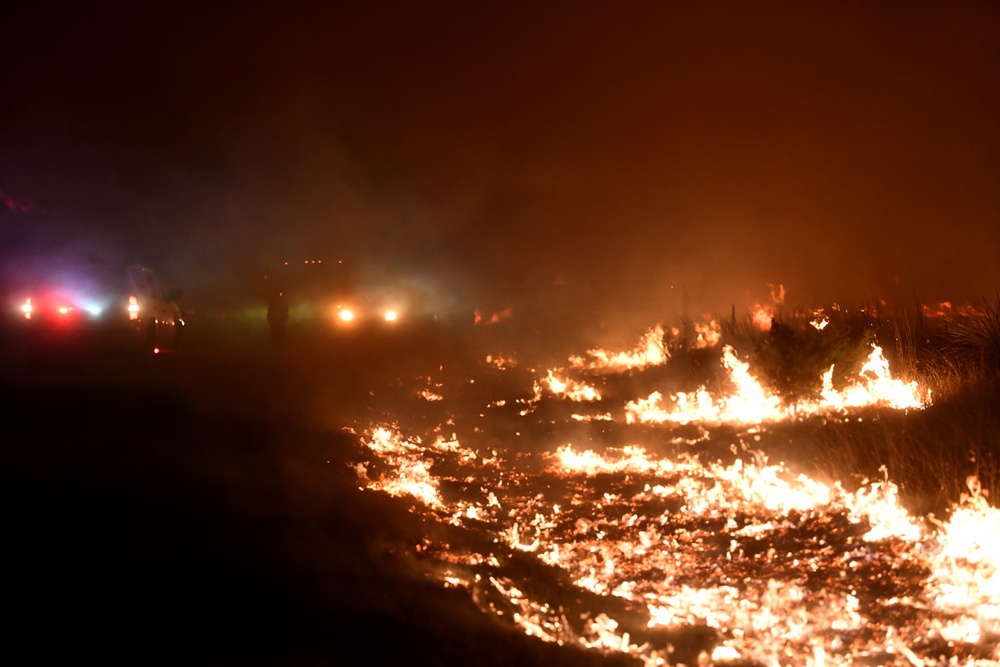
(189, 509)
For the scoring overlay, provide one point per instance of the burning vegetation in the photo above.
(808, 489)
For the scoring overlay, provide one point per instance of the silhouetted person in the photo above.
(277, 316)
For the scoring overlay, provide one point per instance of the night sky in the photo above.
(638, 160)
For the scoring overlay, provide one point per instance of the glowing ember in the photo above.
(429, 395)
(500, 361)
(478, 317)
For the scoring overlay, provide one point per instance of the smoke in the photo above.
(599, 169)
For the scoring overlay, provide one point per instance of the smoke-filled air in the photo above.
(645, 333)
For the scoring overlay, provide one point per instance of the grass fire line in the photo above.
(783, 497)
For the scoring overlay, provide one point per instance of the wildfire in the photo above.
(500, 361)
(707, 334)
(875, 386)
(673, 551)
(650, 351)
(429, 395)
(571, 389)
(946, 309)
(727, 520)
(820, 321)
(751, 403)
(762, 316)
(965, 582)
(411, 475)
(479, 317)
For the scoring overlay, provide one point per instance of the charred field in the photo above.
(714, 492)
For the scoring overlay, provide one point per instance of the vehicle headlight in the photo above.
(94, 309)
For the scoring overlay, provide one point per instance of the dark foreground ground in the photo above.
(197, 508)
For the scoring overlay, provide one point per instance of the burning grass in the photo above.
(951, 354)
(819, 491)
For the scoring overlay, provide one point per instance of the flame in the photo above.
(942, 309)
(662, 537)
(478, 317)
(965, 581)
(751, 403)
(948, 309)
(411, 471)
(500, 361)
(572, 389)
(650, 351)
(707, 335)
(875, 386)
(429, 395)
(604, 541)
(761, 316)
